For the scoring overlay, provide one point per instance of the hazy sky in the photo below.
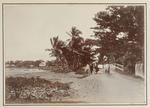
(28, 28)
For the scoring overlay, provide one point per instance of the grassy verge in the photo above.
(35, 90)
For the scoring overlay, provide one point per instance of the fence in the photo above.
(119, 67)
(139, 69)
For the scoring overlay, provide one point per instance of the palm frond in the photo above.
(48, 49)
(52, 43)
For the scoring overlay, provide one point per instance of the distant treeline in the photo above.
(29, 64)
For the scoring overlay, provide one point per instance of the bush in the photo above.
(60, 69)
(35, 90)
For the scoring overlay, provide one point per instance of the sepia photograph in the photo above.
(74, 54)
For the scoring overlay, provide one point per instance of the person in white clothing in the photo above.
(106, 64)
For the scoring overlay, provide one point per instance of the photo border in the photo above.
(78, 104)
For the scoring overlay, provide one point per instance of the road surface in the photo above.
(113, 88)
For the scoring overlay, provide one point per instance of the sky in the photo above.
(28, 28)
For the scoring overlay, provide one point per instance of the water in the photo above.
(16, 71)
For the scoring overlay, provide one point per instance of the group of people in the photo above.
(91, 68)
(94, 68)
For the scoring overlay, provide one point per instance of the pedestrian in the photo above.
(96, 68)
(87, 69)
(106, 64)
(91, 67)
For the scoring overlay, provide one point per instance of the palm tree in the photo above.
(73, 54)
(75, 44)
(57, 49)
(78, 55)
(76, 40)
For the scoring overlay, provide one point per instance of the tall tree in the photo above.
(74, 54)
(75, 44)
(120, 30)
(57, 49)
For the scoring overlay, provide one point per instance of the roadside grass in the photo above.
(35, 90)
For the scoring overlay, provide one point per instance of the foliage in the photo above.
(35, 90)
(75, 54)
(120, 29)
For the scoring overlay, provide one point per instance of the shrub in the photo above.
(35, 89)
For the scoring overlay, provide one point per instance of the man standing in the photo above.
(106, 64)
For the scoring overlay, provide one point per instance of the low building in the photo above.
(42, 64)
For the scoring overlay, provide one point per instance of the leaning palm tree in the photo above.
(73, 53)
(57, 49)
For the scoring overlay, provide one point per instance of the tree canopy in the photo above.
(119, 33)
(120, 29)
(75, 53)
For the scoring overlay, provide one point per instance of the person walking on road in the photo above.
(106, 64)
